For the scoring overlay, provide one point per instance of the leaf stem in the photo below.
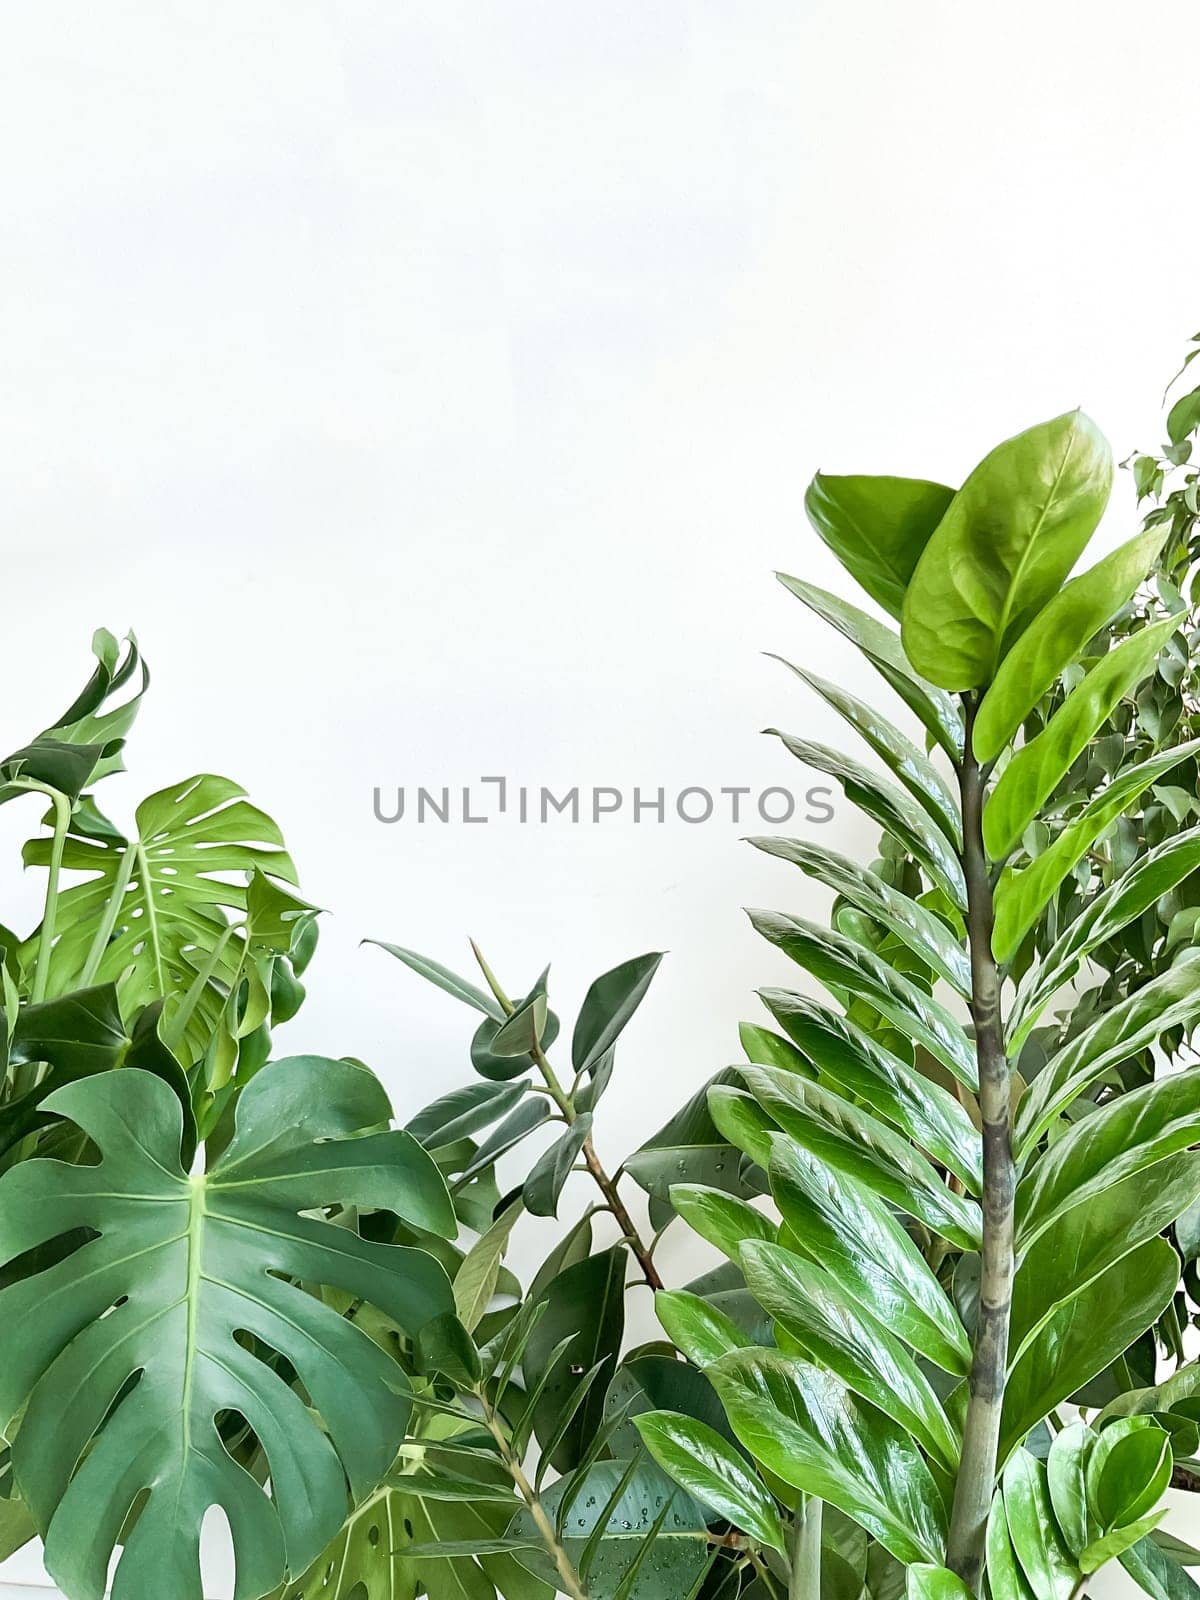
(981, 1433)
(804, 1579)
(569, 1577)
(62, 821)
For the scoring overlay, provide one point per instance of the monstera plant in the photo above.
(186, 1225)
(952, 1251)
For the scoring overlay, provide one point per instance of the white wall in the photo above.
(433, 387)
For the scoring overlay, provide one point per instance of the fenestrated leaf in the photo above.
(1021, 897)
(76, 1035)
(843, 1226)
(1036, 1537)
(608, 1006)
(1084, 1332)
(915, 771)
(1068, 621)
(808, 1429)
(178, 886)
(701, 1461)
(1040, 765)
(925, 934)
(1087, 1239)
(850, 1140)
(894, 810)
(849, 1060)
(1151, 876)
(835, 1331)
(839, 963)
(1004, 547)
(181, 1265)
(934, 709)
(444, 979)
(1170, 1000)
(1130, 1133)
(877, 527)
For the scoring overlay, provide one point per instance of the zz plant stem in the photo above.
(976, 1479)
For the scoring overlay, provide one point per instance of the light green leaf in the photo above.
(1157, 1574)
(934, 709)
(1130, 1133)
(877, 527)
(1004, 547)
(1170, 1000)
(1035, 1534)
(742, 1121)
(1118, 1541)
(843, 1226)
(1066, 1476)
(852, 1141)
(767, 1049)
(1129, 1471)
(925, 934)
(808, 1429)
(475, 1280)
(722, 1219)
(701, 1461)
(1006, 1580)
(180, 1267)
(1084, 1333)
(839, 963)
(1043, 652)
(832, 1329)
(1151, 876)
(849, 1060)
(701, 1330)
(1022, 896)
(915, 771)
(927, 1582)
(894, 811)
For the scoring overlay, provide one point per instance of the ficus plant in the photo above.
(954, 1252)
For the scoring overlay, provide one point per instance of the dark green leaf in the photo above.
(608, 1006)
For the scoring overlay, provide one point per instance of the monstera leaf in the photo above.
(126, 1355)
(152, 911)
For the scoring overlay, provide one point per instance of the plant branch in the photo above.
(981, 1434)
(804, 1580)
(570, 1580)
(62, 821)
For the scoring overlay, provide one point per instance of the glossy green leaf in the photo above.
(841, 964)
(1084, 1333)
(915, 771)
(1110, 1545)
(1157, 1574)
(585, 1306)
(1069, 620)
(1004, 547)
(767, 1049)
(894, 810)
(853, 1142)
(1129, 1471)
(846, 1228)
(925, 934)
(877, 527)
(551, 1170)
(1151, 876)
(1036, 1537)
(1039, 766)
(189, 1263)
(808, 1429)
(701, 1330)
(849, 1060)
(711, 1471)
(689, 1148)
(833, 1329)
(722, 1219)
(934, 709)
(742, 1121)
(926, 1582)
(1066, 1477)
(1021, 897)
(1125, 1136)
(1006, 1580)
(1170, 1000)
(608, 1006)
(1089, 1238)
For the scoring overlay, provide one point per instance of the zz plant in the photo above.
(955, 1251)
